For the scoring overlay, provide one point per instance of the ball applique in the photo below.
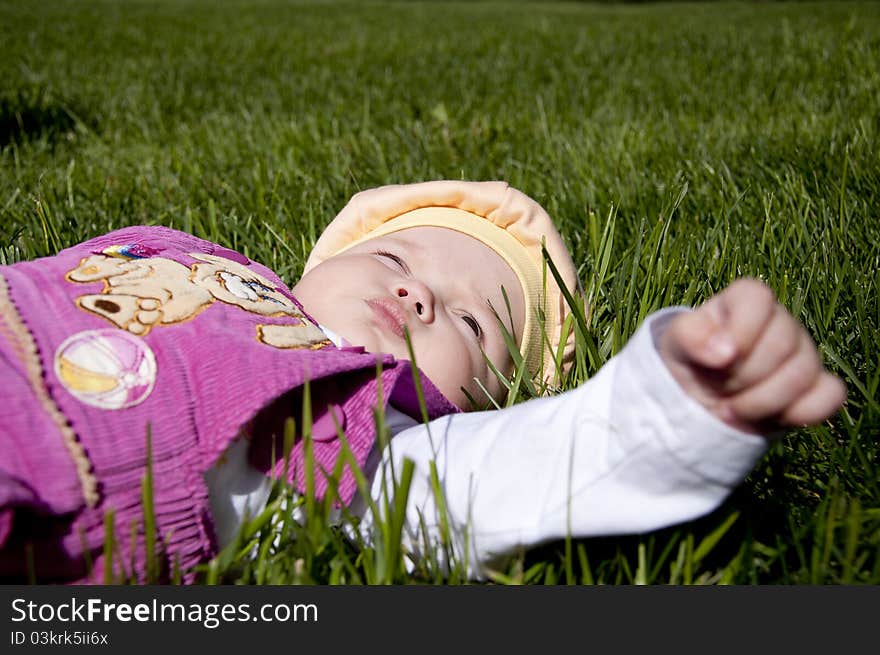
(108, 368)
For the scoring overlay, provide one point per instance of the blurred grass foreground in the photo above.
(678, 146)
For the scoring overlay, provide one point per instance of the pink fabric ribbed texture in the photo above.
(212, 375)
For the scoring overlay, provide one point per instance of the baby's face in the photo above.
(439, 283)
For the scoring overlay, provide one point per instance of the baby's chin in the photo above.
(372, 344)
(352, 336)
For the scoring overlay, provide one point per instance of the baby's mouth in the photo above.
(389, 315)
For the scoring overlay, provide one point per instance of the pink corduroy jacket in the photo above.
(148, 330)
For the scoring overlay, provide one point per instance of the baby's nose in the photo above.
(418, 297)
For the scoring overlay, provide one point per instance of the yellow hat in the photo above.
(506, 220)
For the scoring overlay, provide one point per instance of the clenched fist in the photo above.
(749, 362)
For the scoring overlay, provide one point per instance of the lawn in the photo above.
(678, 146)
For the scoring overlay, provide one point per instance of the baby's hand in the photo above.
(749, 362)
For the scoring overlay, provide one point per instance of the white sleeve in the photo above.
(628, 451)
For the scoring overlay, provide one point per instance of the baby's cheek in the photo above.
(451, 366)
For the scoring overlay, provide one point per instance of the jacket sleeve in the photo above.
(628, 451)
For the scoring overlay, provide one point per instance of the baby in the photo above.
(148, 330)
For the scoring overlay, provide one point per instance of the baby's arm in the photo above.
(628, 451)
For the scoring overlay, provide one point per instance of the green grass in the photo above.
(678, 146)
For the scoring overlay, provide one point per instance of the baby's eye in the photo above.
(397, 260)
(473, 325)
